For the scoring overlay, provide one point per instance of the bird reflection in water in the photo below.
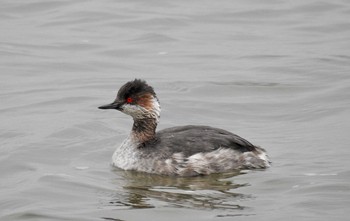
(215, 191)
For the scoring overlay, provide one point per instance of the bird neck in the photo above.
(144, 129)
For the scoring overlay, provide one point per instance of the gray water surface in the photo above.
(274, 72)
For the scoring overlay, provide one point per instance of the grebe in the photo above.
(183, 150)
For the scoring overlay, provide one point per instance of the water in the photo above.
(274, 72)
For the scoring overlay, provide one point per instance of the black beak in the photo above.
(115, 105)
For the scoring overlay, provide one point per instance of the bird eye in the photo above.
(129, 100)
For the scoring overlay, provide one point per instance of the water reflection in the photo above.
(215, 191)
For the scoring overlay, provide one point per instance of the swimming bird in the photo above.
(177, 151)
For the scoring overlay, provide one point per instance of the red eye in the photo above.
(129, 100)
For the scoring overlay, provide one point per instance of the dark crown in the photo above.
(133, 88)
